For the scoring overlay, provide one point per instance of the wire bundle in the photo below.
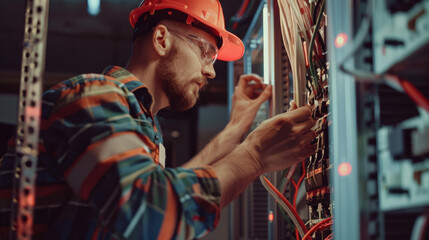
(285, 204)
(293, 214)
(291, 24)
(326, 223)
(285, 179)
(300, 37)
(302, 41)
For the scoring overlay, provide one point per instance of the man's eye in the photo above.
(203, 49)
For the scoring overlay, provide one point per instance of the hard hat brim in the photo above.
(232, 47)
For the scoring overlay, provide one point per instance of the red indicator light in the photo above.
(344, 169)
(341, 40)
(271, 216)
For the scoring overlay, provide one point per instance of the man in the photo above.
(100, 174)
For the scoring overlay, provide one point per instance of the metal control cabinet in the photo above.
(387, 189)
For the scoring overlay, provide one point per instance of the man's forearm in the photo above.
(235, 172)
(223, 144)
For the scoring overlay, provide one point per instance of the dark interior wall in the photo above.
(78, 42)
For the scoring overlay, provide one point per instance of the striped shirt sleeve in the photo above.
(89, 129)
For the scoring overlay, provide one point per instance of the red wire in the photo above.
(296, 234)
(301, 223)
(415, 94)
(320, 225)
(240, 12)
(243, 8)
(293, 168)
(329, 237)
(296, 185)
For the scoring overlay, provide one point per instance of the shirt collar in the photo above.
(132, 83)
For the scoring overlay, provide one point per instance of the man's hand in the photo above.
(248, 97)
(282, 141)
(274, 145)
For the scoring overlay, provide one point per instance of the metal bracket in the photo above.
(28, 124)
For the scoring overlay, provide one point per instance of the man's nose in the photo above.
(208, 71)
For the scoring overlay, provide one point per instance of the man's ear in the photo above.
(161, 40)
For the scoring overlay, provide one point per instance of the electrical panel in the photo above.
(379, 86)
(404, 166)
(306, 185)
(366, 77)
(401, 48)
(400, 30)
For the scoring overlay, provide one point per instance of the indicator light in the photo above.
(344, 169)
(271, 216)
(341, 40)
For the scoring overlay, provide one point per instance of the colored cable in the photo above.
(321, 225)
(415, 94)
(395, 82)
(296, 219)
(330, 236)
(310, 49)
(359, 38)
(296, 186)
(242, 14)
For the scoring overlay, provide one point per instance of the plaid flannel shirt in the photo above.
(98, 173)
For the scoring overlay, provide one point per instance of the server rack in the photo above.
(378, 139)
(384, 195)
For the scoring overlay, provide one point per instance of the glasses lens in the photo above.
(208, 51)
(213, 54)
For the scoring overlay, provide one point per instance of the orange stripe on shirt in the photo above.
(144, 186)
(168, 226)
(89, 148)
(152, 146)
(78, 88)
(82, 103)
(102, 167)
(138, 184)
(205, 173)
(113, 69)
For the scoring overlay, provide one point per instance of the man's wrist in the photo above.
(236, 130)
(251, 154)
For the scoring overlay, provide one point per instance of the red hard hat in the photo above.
(208, 12)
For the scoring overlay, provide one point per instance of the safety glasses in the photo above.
(208, 51)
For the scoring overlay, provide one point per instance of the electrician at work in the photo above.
(101, 172)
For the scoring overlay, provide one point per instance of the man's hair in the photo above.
(148, 21)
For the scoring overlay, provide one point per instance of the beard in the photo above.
(179, 95)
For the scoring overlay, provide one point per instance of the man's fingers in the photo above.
(303, 127)
(308, 138)
(246, 79)
(298, 115)
(265, 95)
(292, 105)
(309, 150)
